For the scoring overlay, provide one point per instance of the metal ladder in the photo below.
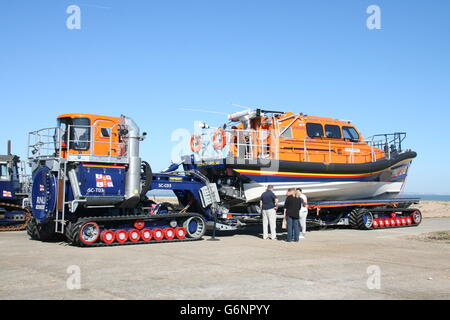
(60, 221)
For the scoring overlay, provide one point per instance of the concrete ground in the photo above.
(328, 264)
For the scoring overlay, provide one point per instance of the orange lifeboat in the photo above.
(326, 157)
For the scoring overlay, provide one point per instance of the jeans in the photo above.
(269, 217)
(293, 229)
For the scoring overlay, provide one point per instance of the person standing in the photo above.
(292, 208)
(303, 212)
(269, 205)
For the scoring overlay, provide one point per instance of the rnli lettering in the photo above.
(40, 203)
(40, 200)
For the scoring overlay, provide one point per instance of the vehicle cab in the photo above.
(89, 137)
(9, 177)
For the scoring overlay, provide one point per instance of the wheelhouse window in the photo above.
(287, 134)
(333, 131)
(350, 133)
(314, 130)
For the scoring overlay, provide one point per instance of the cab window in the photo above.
(350, 133)
(61, 133)
(80, 134)
(314, 130)
(3, 171)
(332, 131)
(105, 132)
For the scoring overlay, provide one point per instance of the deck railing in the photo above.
(77, 143)
(265, 144)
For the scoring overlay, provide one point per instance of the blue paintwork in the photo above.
(189, 163)
(7, 186)
(43, 196)
(192, 226)
(184, 187)
(89, 178)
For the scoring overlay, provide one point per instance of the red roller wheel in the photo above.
(121, 236)
(134, 235)
(398, 221)
(392, 222)
(408, 221)
(169, 233)
(146, 234)
(387, 222)
(139, 224)
(375, 224)
(108, 236)
(180, 233)
(158, 234)
(403, 221)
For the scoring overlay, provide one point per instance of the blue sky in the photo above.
(148, 59)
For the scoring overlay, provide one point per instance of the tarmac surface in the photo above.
(335, 263)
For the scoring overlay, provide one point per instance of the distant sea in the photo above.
(427, 197)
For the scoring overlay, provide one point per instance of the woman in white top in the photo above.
(303, 213)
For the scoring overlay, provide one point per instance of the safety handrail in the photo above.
(254, 144)
(53, 142)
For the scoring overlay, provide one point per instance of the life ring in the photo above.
(219, 139)
(196, 143)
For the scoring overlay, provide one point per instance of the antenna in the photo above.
(202, 110)
(242, 107)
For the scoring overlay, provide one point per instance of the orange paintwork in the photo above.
(100, 145)
(300, 147)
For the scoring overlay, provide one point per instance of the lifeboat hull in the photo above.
(382, 179)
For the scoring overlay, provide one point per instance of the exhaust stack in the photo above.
(9, 150)
(133, 177)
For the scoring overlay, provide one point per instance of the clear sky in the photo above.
(147, 59)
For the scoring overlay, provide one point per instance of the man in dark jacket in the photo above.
(269, 205)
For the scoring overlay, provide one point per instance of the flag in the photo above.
(103, 181)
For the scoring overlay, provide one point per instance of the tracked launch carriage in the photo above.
(90, 184)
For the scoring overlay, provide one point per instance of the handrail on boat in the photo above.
(263, 144)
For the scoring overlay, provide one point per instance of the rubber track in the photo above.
(74, 233)
(356, 220)
(353, 218)
(18, 227)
